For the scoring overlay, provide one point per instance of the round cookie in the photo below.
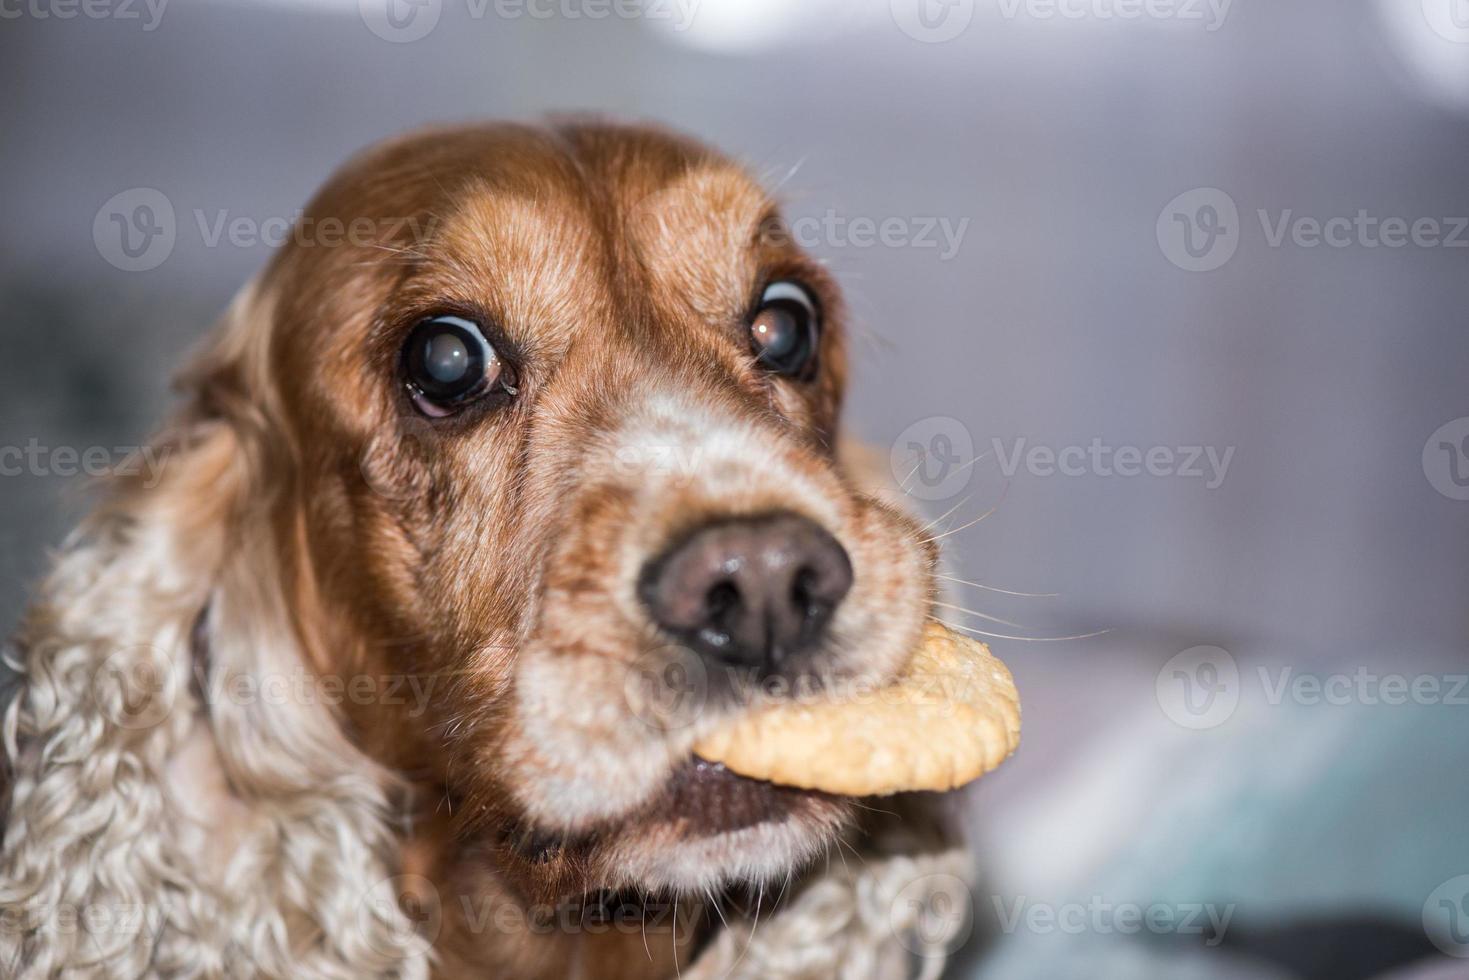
(949, 718)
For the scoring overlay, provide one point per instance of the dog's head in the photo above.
(554, 414)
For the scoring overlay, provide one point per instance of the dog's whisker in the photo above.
(855, 853)
(946, 514)
(709, 895)
(958, 469)
(840, 856)
(790, 174)
(645, 898)
(415, 253)
(991, 588)
(877, 344)
(963, 527)
(981, 517)
(1025, 639)
(755, 926)
(903, 486)
(980, 615)
(872, 809)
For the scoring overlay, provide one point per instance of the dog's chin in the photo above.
(708, 828)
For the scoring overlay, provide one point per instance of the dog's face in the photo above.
(564, 444)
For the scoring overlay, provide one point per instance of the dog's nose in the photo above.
(749, 591)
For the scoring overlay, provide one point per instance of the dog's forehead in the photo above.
(576, 229)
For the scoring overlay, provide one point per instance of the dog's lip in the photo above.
(699, 798)
(712, 799)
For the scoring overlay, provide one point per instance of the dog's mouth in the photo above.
(704, 799)
(711, 799)
(703, 818)
(636, 661)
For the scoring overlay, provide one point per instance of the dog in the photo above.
(525, 442)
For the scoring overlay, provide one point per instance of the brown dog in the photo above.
(551, 417)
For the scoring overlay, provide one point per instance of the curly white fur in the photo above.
(882, 917)
(112, 864)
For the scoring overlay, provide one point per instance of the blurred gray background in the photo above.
(1108, 281)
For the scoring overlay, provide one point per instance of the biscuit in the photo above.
(949, 718)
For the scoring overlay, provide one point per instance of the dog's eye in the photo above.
(785, 329)
(447, 363)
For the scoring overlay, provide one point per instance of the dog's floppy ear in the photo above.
(187, 822)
